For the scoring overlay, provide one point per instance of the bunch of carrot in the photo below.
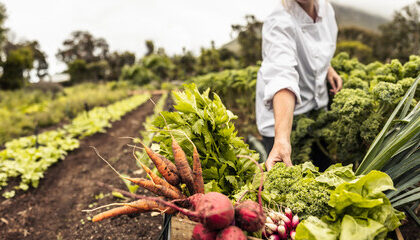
(168, 187)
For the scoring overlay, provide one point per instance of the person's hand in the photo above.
(335, 80)
(280, 153)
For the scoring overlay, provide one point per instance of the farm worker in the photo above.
(299, 40)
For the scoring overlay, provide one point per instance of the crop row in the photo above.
(29, 157)
(23, 111)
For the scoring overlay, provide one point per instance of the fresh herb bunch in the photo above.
(210, 126)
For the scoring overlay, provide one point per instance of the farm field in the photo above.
(127, 121)
(54, 209)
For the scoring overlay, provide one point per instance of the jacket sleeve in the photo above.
(278, 69)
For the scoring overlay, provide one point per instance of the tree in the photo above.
(250, 40)
(159, 65)
(40, 59)
(401, 37)
(209, 60)
(185, 64)
(19, 62)
(117, 61)
(82, 45)
(150, 47)
(3, 17)
(78, 71)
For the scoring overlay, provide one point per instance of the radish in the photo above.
(287, 223)
(271, 227)
(269, 220)
(288, 213)
(202, 233)
(231, 233)
(214, 210)
(292, 235)
(274, 237)
(274, 216)
(250, 215)
(295, 221)
(282, 232)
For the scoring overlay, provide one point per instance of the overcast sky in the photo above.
(126, 24)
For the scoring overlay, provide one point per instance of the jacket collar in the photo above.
(302, 17)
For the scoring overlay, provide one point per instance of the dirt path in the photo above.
(53, 210)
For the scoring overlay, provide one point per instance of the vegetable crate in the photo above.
(182, 228)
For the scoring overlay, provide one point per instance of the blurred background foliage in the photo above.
(89, 59)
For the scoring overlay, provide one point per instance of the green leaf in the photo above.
(352, 228)
(314, 228)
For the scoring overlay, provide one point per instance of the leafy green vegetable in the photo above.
(358, 112)
(359, 210)
(303, 188)
(209, 125)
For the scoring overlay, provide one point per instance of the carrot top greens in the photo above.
(208, 123)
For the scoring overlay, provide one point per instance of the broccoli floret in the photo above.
(371, 127)
(385, 78)
(412, 67)
(406, 83)
(301, 193)
(387, 93)
(396, 68)
(356, 83)
(372, 67)
(358, 73)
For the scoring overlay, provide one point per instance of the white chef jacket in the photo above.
(296, 56)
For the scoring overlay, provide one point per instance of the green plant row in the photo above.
(22, 111)
(29, 157)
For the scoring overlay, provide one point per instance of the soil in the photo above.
(54, 209)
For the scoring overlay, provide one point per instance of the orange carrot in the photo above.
(158, 180)
(162, 166)
(197, 173)
(171, 165)
(181, 163)
(156, 188)
(139, 206)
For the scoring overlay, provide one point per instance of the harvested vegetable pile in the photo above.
(209, 125)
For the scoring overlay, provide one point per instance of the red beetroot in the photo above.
(231, 233)
(214, 210)
(202, 233)
(250, 215)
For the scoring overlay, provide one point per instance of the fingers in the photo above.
(287, 161)
(332, 83)
(339, 83)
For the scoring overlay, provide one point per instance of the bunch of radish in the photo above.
(280, 225)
